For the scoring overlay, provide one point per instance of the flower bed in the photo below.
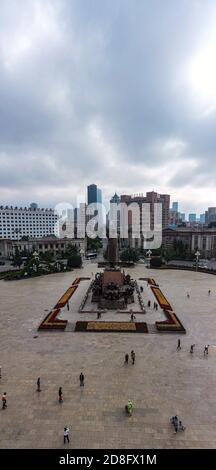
(66, 296)
(163, 302)
(112, 327)
(51, 322)
(171, 324)
(152, 281)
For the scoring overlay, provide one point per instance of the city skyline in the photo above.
(125, 95)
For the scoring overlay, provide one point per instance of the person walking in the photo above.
(81, 377)
(66, 434)
(179, 345)
(209, 292)
(192, 348)
(68, 307)
(60, 395)
(156, 306)
(174, 422)
(133, 356)
(181, 427)
(38, 385)
(126, 358)
(188, 295)
(4, 400)
(205, 352)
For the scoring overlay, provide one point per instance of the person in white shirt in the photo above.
(66, 434)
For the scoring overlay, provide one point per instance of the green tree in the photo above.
(94, 243)
(129, 254)
(17, 258)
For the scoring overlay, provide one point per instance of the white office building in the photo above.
(26, 221)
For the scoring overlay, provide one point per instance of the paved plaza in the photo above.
(162, 382)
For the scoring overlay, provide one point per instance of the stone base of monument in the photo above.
(112, 304)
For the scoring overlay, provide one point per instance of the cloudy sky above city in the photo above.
(117, 93)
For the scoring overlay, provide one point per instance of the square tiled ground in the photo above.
(162, 381)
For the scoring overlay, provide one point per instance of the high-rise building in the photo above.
(26, 221)
(151, 198)
(175, 206)
(99, 195)
(192, 218)
(202, 218)
(92, 193)
(182, 216)
(210, 215)
(115, 199)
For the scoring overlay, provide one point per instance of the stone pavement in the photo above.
(162, 382)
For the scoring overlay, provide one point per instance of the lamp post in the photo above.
(197, 254)
(149, 252)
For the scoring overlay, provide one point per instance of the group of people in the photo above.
(205, 351)
(60, 393)
(209, 293)
(133, 357)
(155, 305)
(60, 399)
(177, 424)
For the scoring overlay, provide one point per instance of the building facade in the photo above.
(202, 239)
(41, 245)
(26, 221)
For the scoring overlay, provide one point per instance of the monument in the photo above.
(112, 289)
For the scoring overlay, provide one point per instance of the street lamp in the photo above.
(197, 254)
(149, 252)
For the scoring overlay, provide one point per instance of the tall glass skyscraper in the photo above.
(94, 194)
(175, 206)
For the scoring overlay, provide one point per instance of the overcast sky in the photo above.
(114, 92)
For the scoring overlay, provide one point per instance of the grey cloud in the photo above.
(112, 65)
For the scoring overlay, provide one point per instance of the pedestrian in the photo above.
(38, 385)
(81, 380)
(175, 424)
(92, 274)
(179, 345)
(133, 356)
(205, 352)
(209, 292)
(156, 305)
(4, 400)
(174, 421)
(66, 434)
(192, 348)
(68, 307)
(126, 358)
(181, 427)
(60, 395)
(188, 295)
(149, 303)
(141, 288)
